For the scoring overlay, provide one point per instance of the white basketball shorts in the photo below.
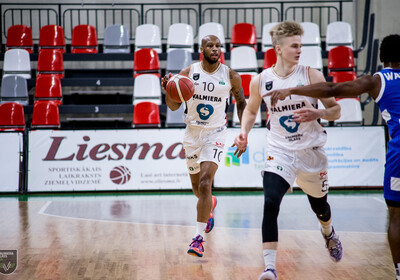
(309, 166)
(202, 144)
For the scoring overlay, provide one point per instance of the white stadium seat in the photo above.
(212, 28)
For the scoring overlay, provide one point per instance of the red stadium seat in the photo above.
(246, 79)
(342, 76)
(244, 34)
(12, 117)
(341, 58)
(51, 61)
(221, 58)
(19, 37)
(146, 114)
(45, 115)
(48, 87)
(269, 58)
(52, 37)
(146, 61)
(84, 39)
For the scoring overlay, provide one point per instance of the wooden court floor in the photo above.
(136, 236)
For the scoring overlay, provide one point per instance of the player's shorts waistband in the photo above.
(216, 129)
(289, 151)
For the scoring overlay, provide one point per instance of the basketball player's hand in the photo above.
(164, 80)
(279, 94)
(241, 144)
(306, 115)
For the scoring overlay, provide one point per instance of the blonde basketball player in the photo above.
(205, 118)
(295, 141)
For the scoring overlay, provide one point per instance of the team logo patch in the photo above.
(204, 111)
(196, 76)
(270, 158)
(289, 124)
(221, 83)
(268, 85)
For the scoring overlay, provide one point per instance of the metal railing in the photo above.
(99, 18)
(164, 14)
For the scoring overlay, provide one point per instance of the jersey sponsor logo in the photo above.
(289, 124)
(207, 97)
(391, 76)
(268, 85)
(300, 83)
(201, 123)
(196, 76)
(294, 137)
(270, 158)
(205, 111)
(220, 144)
(191, 168)
(289, 107)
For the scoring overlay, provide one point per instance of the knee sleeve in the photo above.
(321, 207)
(275, 188)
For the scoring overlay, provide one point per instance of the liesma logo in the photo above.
(120, 175)
(231, 159)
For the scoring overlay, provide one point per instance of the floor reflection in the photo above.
(350, 212)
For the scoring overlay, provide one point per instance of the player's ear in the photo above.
(278, 49)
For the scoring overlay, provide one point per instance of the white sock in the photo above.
(326, 229)
(201, 229)
(269, 258)
(397, 267)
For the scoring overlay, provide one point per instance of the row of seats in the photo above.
(46, 115)
(147, 88)
(50, 61)
(180, 35)
(147, 85)
(84, 38)
(147, 71)
(145, 114)
(243, 59)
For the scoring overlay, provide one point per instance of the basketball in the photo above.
(180, 88)
(120, 175)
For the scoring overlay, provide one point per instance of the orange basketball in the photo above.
(180, 88)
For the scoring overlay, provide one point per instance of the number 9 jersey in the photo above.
(208, 106)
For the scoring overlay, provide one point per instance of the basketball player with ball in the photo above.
(205, 118)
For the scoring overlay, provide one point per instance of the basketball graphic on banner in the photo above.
(120, 175)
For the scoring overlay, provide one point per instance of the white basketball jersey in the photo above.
(283, 131)
(207, 108)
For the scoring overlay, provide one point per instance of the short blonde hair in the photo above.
(285, 29)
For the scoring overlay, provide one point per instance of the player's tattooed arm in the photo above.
(237, 91)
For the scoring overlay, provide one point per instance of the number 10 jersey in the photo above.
(207, 108)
